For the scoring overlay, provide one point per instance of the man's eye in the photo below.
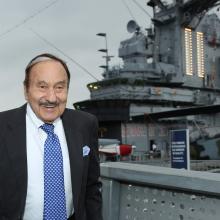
(59, 87)
(42, 87)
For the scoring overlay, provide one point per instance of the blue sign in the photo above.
(180, 156)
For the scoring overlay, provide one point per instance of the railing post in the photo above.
(111, 196)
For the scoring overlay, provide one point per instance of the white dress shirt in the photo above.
(35, 138)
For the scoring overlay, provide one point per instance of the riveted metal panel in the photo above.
(140, 203)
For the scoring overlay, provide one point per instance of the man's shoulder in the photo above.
(12, 113)
(78, 115)
(11, 117)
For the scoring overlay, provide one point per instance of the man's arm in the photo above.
(93, 190)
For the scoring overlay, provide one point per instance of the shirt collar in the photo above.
(37, 121)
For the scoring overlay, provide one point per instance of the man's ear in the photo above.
(25, 93)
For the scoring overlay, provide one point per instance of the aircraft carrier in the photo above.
(170, 79)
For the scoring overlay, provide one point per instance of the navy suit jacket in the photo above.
(80, 130)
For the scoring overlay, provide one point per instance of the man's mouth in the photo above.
(48, 105)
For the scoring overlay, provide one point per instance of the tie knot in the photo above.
(48, 128)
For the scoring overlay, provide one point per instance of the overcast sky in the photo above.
(70, 25)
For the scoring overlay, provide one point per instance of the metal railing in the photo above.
(139, 192)
(145, 158)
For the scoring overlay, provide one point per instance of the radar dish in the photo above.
(132, 26)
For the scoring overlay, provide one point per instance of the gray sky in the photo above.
(71, 25)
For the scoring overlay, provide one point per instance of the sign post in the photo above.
(180, 153)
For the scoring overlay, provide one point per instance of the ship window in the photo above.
(188, 51)
(200, 54)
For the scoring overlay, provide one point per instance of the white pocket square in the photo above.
(86, 151)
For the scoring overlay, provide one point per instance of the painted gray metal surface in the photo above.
(139, 192)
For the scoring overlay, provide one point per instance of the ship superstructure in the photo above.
(172, 65)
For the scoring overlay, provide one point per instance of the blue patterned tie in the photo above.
(54, 191)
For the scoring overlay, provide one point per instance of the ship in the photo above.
(170, 79)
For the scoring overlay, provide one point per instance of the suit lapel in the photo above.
(75, 142)
(16, 146)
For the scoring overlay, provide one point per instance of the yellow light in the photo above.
(95, 87)
(188, 51)
(200, 54)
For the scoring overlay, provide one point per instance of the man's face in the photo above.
(48, 89)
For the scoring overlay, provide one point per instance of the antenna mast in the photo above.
(107, 57)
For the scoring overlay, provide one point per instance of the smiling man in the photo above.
(49, 167)
(46, 88)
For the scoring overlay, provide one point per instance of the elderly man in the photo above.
(49, 166)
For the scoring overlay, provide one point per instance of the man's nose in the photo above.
(51, 95)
